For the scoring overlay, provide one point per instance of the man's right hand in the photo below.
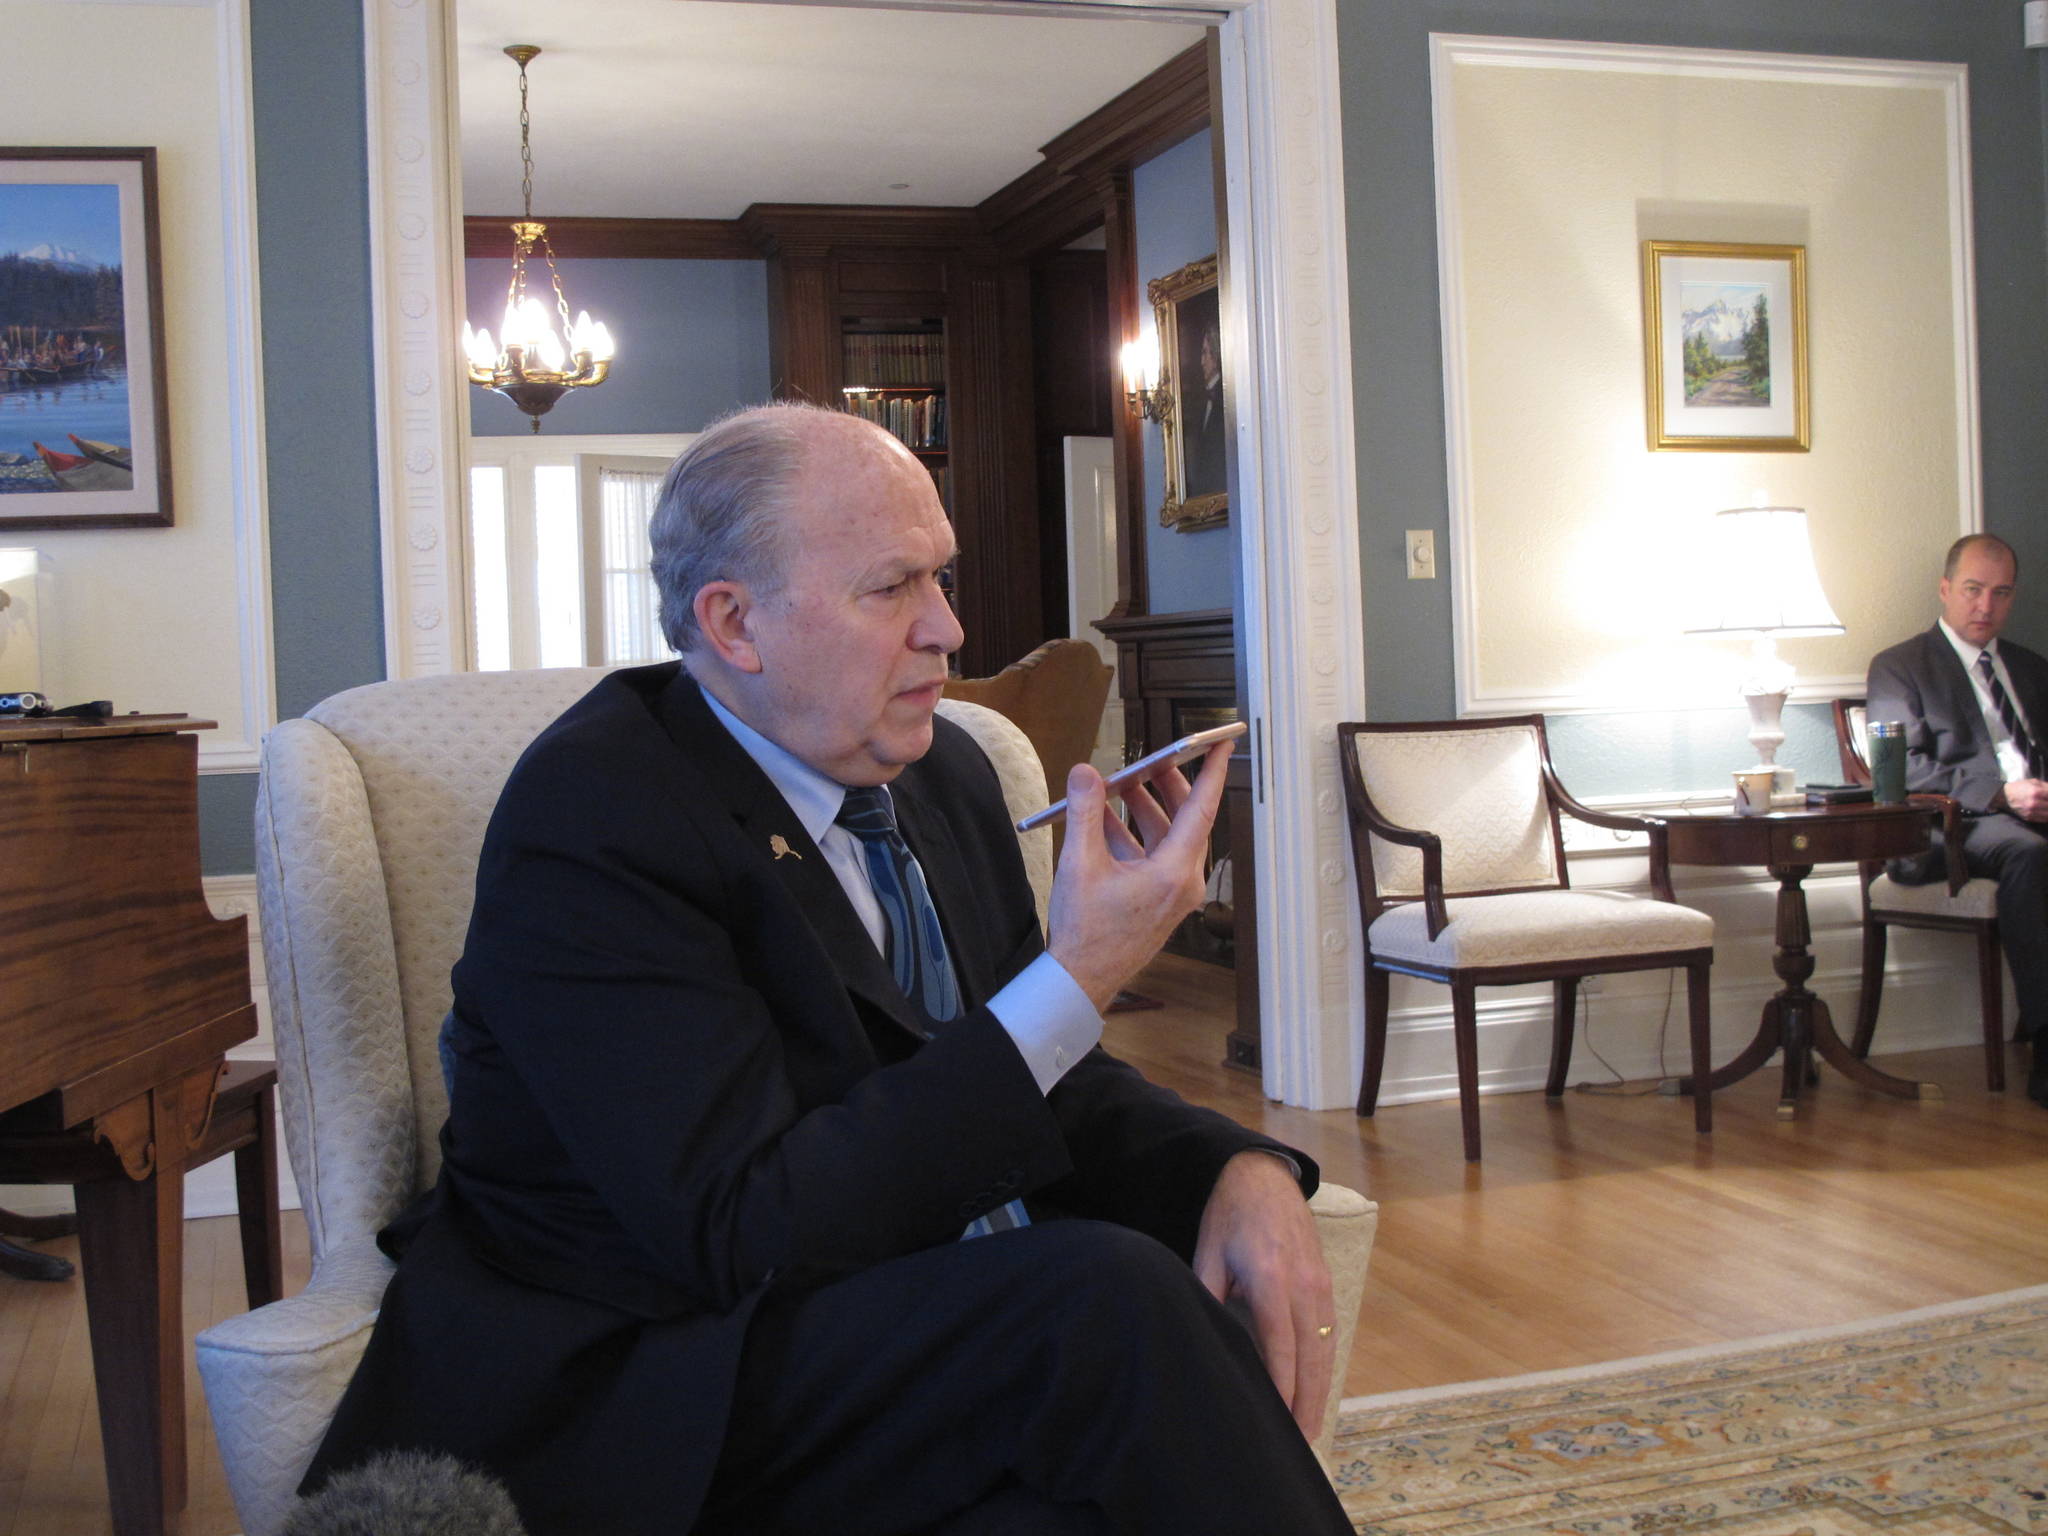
(1116, 895)
(2027, 799)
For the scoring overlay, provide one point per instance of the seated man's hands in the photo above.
(2027, 799)
(1258, 1242)
(1118, 894)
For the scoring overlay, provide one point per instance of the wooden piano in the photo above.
(119, 995)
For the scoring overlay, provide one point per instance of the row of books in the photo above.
(942, 478)
(894, 357)
(919, 420)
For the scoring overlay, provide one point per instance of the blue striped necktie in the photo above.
(2008, 716)
(916, 943)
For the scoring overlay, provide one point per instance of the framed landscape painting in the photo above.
(84, 439)
(1724, 338)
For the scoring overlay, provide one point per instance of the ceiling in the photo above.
(698, 108)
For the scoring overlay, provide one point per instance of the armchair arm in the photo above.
(273, 1378)
(1432, 849)
(1951, 835)
(1615, 821)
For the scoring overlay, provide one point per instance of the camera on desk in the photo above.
(36, 706)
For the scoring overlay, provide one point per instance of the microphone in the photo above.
(407, 1493)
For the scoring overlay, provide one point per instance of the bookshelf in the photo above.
(895, 376)
(905, 315)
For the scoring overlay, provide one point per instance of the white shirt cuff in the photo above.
(1048, 1018)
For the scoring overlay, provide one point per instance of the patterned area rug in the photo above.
(1929, 1423)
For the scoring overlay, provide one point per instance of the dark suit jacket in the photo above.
(683, 1074)
(1921, 682)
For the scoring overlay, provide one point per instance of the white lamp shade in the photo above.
(1759, 577)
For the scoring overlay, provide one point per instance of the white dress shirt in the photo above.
(2012, 762)
(1043, 1009)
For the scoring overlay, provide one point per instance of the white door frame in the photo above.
(1288, 339)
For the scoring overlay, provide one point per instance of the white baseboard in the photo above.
(209, 1190)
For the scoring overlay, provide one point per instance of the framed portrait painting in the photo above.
(84, 440)
(1184, 308)
(1724, 340)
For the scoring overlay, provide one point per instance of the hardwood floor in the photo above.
(1596, 1228)
(1601, 1226)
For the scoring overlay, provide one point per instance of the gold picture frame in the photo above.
(1185, 310)
(1724, 347)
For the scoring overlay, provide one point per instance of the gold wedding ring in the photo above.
(1326, 1330)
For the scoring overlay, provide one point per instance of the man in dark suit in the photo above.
(778, 1197)
(1973, 706)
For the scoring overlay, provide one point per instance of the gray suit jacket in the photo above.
(1921, 683)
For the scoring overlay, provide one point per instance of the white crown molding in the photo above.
(1450, 51)
(1305, 658)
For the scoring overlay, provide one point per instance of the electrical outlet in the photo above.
(1421, 546)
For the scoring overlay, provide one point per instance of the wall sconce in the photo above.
(1141, 368)
(1762, 581)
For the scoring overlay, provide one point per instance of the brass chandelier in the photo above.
(532, 364)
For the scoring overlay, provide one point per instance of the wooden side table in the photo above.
(1789, 843)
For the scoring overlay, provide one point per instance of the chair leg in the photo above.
(1564, 1009)
(1701, 1020)
(1465, 1035)
(1873, 986)
(256, 1205)
(1991, 998)
(1378, 985)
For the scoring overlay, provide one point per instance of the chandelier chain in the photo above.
(525, 146)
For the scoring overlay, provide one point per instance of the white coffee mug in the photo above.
(1753, 791)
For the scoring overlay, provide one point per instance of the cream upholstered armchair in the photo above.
(1483, 897)
(1959, 903)
(369, 818)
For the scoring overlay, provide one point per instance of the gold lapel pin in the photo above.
(779, 846)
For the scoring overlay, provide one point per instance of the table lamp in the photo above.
(1760, 580)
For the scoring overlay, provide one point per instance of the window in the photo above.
(558, 550)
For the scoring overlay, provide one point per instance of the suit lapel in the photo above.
(1959, 694)
(767, 823)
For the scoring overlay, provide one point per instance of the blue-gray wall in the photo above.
(1173, 215)
(1397, 355)
(693, 340)
(313, 224)
(319, 402)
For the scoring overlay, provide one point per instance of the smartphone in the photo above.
(1188, 746)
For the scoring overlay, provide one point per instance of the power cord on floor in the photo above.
(1618, 1088)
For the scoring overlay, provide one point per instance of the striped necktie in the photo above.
(916, 943)
(2009, 717)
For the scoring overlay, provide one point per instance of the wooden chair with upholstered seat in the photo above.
(1955, 904)
(1483, 898)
